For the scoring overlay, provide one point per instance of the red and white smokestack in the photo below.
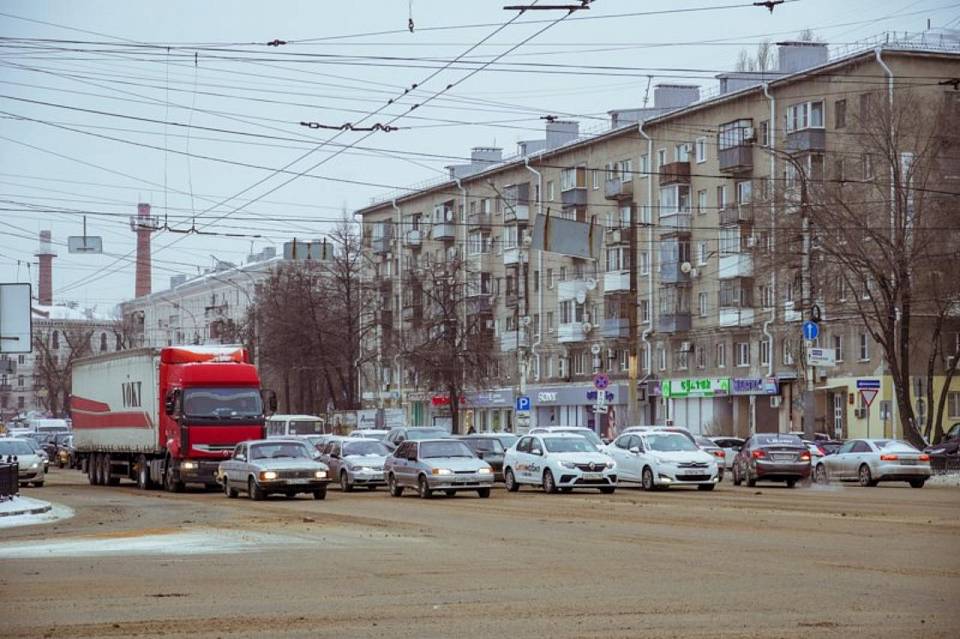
(45, 256)
(143, 225)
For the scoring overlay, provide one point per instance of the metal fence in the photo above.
(9, 480)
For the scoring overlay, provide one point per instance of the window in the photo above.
(661, 158)
(701, 253)
(765, 133)
(626, 170)
(578, 360)
(550, 191)
(563, 273)
(644, 311)
(734, 134)
(702, 304)
(838, 347)
(743, 353)
(549, 320)
(674, 199)
(644, 165)
(571, 178)
(20, 380)
(702, 202)
(595, 174)
(682, 152)
(701, 150)
(549, 278)
(721, 196)
(840, 114)
(720, 355)
(866, 166)
(662, 357)
(805, 115)
(644, 263)
(624, 358)
(701, 357)
(744, 192)
(618, 259)
(764, 352)
(866, 104)
(681, 359)
(953, 404)
(55, 340)
(864, 347)
(766, 296)
(536, 281)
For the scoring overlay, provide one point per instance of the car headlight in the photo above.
(320, 474)
(268, 475)
(188, 465)
(353, 467)
(442, 471)
(567, 464)
(661, 460)
(611, 464)
(35, 465)
(485, 471)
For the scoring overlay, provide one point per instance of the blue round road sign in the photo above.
(811, 330)
(601, 381)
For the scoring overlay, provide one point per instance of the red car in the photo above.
(772, 457)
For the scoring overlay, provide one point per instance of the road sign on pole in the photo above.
(868, 383)
(868, 395)
(811, 330)
(601, 381)
(523, 403)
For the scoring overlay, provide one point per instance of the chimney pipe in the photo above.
(143, 225)
(45, 256)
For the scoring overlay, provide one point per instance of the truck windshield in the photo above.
(218, 404)
(305, 427)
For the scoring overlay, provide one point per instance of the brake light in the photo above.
(720, 454)
(888, 458)
(924, 457)
(804, 456)
(757, 454)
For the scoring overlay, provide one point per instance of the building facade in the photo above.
(687, 291)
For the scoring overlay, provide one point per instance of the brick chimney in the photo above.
(45, 256)
(143, 225)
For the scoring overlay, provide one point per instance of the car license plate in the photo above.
(908, 462)
(688, 473)
(592, 475)
(463, 480)
(783, 458)
(298, 481)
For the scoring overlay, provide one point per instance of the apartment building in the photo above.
(698, 275)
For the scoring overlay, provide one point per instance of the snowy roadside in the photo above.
(24, 511)
(947, 479)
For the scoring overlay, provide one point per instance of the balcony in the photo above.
(676, 221)
(413, 239)
(735, 265)
(615, 328)
(575, 197)
(618, 236)
(617, 189)
(616, 281)
(381, 244)
(671, 273)
(806, 140)
(568, 289)
(516, 203)
(736, 159)
(673, 322)
(675, 173)
(511, 340)
(511, 299)
(736, 214)
(512, 256)
(480, 262)
(732, 316)
(571, 332)
(479, 304)
(791, 312)
(444, 232)
(481, 220)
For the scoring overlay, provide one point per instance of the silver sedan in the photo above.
(437, 465)
(264, 466)
(357, 462)
(871, 461)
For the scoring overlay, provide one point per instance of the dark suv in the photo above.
(946, 455)
(772, 457)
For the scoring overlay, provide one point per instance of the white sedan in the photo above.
(558, 462)
(658, 459)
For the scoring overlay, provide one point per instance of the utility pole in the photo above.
(633, 359)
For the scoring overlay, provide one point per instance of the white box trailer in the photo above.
(116, 405)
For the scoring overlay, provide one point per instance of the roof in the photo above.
(62, 312)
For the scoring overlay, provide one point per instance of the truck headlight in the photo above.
(320, 474)
(268, 475)
(188, 465)
(442, 471)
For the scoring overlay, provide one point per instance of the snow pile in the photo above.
(950, 479)
(23, 511)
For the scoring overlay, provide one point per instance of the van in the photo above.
(295, 425)
(49, 426)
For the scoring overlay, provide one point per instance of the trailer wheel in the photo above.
(90, 467)
(97, 462)
(143, 474)
(109, 479)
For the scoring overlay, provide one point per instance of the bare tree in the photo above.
(449, 347)
(764, 59)
(55, 354)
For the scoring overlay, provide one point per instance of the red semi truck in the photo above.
(165, 416)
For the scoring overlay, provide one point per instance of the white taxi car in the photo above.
(658, 459)
(558, 462)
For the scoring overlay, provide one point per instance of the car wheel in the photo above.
(395, 490)
(143, 474)
(290, 495)
(228, 490)
(608, 490)
(371, 487)
(483, 492)
(449, 493)
(791, 483)
(38, 484)
(866, 477)
(60, 463)
(423, 488)
(345, 484)
(736, 476)
(320, 493)
(253, 491)
(917, 483)
(751, 481)
(646, 478)
(549, 484)
(820, 474)
(510, 481)
(706, 487)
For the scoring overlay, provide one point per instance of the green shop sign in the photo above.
(695, 387)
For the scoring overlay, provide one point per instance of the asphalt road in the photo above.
(765, 562)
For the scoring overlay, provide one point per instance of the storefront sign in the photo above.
(546, 397)
(576, 395)
(754, 386)
(497, 398)
(679, 388)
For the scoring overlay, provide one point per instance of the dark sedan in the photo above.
(772, 457)
(945, 455)
(490, 449)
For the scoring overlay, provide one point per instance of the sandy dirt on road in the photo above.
(766, 562)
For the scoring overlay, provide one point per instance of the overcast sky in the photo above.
(233, 106)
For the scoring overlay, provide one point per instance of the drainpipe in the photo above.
(893, 195)
(399, 241)
(645, 336)
(772, 128)
(534, 350)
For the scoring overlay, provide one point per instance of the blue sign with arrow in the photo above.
(811, 330)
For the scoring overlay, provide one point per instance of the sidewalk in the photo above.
(24, 511)
(23, 506)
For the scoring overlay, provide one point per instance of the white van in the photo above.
(295, 425)
(49, 425)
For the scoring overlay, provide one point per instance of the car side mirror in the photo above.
(635, 450)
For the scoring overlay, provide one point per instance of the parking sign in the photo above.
(523, 403)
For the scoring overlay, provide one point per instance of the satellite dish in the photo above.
(581, 297)
(587, 327)
(595, 349)
(686, 267)
(591, 283)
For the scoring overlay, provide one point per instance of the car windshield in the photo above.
(896, 445)
(222, 403)
(426, 433)
(452, 448)
(568, 445)
(703, 442)
(15, 448)
(365, 448)
(485, 444)
(777, 440)
(369, 434)
(305, 427)
(586, 433)
(279, 450)
(669, 442)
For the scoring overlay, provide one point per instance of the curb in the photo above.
(37, 510)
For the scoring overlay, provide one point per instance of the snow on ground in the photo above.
(53, 512)
(951, 479)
